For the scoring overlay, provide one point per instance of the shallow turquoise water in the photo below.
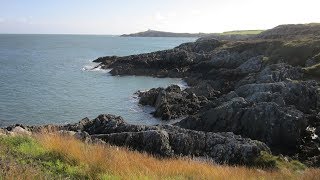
(43, 78)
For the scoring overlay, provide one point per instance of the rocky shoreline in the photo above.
(244, 97)
(264, 88)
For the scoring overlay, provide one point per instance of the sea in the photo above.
(48, 79)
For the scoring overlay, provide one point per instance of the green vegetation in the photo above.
(296, 52)
(267, 160)
(242, 32)
(25, 156)
(63, 157)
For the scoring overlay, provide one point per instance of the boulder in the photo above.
(19, 131)
(172, 102)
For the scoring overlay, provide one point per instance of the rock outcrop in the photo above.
(172, 102)
(267, 122)
(160, 140)
(168, 140)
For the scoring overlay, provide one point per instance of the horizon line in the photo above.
(59, 34)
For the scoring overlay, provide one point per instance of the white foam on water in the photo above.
(183, 85)
(95, 67)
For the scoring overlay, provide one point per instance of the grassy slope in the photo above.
(242, 32)
(56, 157)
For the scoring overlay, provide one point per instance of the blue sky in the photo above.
(125, 16)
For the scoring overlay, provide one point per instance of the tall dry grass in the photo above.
(125, 164)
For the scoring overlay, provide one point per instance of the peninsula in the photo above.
(229, 35)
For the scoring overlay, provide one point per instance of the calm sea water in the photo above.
(43, 78)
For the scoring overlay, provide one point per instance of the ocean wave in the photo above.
(94, 67)
(183, 85)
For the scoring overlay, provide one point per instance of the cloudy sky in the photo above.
(126, 16)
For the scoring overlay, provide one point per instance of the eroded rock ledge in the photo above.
(162, 140)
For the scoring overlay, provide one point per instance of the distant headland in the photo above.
(239, 34)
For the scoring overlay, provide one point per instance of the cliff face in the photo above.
(264, 88)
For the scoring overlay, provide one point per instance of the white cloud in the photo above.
(2, 20)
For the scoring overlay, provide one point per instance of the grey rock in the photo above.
(168, 140)
(310, 62)
(303, 95)
(172, 102)
(226, 59)
(266, 97)
(279, 72)
(66, 133)
(267, 122)
(19, 131)
(251, 66)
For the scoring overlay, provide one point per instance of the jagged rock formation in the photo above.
(172, 102)
(161, 140)
(265, 88)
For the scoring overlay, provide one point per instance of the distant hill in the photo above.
(290, 31)
(242, 32)
(229, 35)
(153, 33)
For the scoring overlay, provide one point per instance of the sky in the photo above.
(128, 16)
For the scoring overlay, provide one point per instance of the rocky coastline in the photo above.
(244, 97)
(264, 88)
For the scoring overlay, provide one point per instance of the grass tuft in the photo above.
(266, 160)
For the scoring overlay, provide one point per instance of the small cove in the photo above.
(45, 78)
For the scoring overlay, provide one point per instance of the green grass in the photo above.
(296, 52)
(242, 32)
(20, 152)
(267, 160)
